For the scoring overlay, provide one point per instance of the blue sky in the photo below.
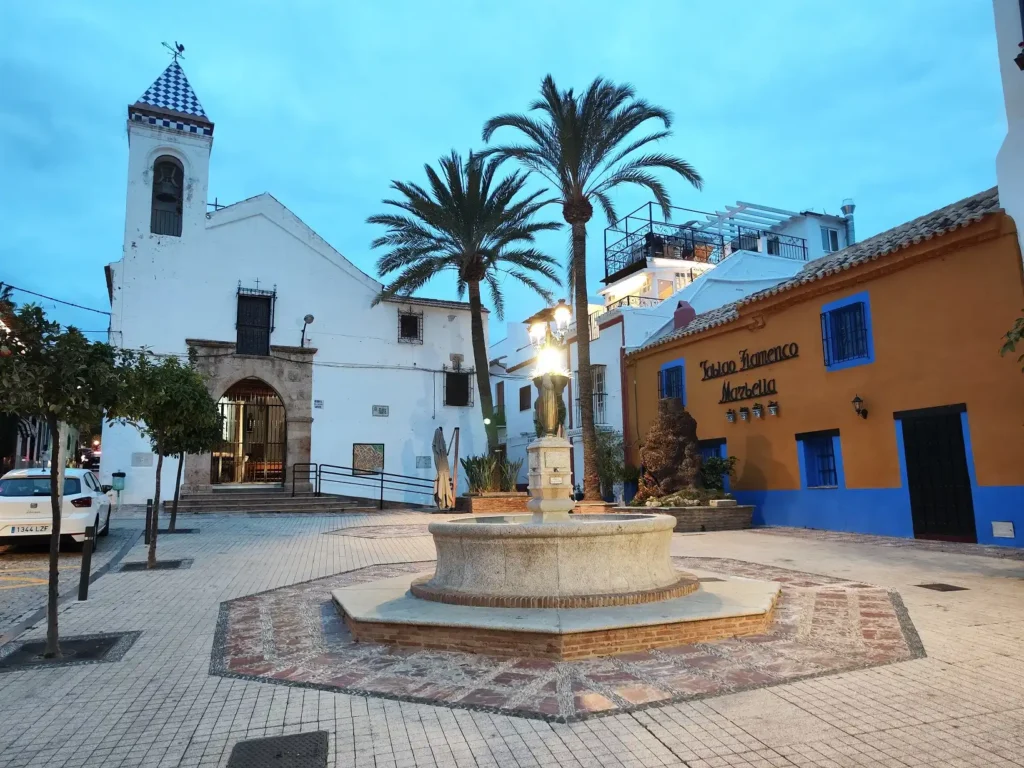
(794, 104)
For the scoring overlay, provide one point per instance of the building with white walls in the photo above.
(305, 370)
(707, 260)
(1009, 18)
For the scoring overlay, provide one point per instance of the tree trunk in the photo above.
(155, 522)
(480, 362)
(56, 502)
(584, 379)
(177, 492)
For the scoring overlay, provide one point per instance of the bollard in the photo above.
(149, 518)
(83, 579)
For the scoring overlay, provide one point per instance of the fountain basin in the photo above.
(562, 562)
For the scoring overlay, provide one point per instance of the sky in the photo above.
(793, 104)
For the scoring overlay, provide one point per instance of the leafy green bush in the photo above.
(715, 469)
(508, 472)
(480, 473)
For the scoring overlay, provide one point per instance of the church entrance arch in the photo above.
(253, 447)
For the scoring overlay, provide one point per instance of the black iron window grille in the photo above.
(255, 320)
(670, 382)
(820, 459)
(410, 327)
(844, 334)
(525, 397)
(458, 387)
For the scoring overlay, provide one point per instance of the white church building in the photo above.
(304, 369)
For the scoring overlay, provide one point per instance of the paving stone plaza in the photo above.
(862, 666)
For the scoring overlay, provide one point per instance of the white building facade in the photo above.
(305, 370)
(1009, 19)
(651, 266)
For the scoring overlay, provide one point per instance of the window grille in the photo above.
(844, 333)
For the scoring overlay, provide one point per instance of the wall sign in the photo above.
(318, 403)
(749, 360)
(381, 410)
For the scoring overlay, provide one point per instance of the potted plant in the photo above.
(773, 408)
(730, 415)
(758, 410)
(744, 414)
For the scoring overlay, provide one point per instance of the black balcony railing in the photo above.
(634, 301)
(640, 236)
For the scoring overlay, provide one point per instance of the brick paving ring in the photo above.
(684, 585)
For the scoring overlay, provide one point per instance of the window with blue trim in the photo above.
(670, 382)
(819, 455)
(846, 332)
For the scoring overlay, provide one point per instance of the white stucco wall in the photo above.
(1010, 160)
(167, 289)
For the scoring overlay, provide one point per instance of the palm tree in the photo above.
(582, 145)
(471, 224)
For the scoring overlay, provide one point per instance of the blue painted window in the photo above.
(846, 338)
(671, 381)
(820, 465)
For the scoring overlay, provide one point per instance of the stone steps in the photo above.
(264, 501)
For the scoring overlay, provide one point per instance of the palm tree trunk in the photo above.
(177, 492)
(155, 522)
(480, 362)
(584, 379)
(56, 500)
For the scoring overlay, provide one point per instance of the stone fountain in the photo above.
(551, 584)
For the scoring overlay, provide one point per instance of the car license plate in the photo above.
(16, 529)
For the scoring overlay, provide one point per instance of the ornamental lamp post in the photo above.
(550, 473)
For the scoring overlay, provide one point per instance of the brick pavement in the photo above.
(961, 705)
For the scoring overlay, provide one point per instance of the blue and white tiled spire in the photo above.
(169, 101)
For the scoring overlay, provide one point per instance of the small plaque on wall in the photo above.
(1002, 530)
(318, 403)
(142, 459)
(381, 410)
(423, 462)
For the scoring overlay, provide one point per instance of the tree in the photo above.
(1014, 336)
(166, 397)
(473, 225)
(582, 145)
(611, 459)
(200, 431)
(58, 375)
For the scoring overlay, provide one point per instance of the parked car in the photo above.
(25, 504)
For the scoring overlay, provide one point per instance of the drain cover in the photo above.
(943, 587)
(300, 750)
(161, 565)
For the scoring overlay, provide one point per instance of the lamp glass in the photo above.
(538, 331)
(562, 316)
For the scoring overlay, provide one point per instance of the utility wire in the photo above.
(51, 298)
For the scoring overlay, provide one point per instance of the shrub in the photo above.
(715, 469)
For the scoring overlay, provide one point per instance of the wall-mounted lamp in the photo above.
(487, 422)
(730, 415)
(307, 320)
(858, 407)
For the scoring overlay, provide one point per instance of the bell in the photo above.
(166, 191)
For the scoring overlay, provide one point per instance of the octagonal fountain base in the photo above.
(387, 612)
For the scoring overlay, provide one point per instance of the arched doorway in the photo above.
(253, 439)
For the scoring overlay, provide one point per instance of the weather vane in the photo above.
(177, 50)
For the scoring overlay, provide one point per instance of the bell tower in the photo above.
(169, 143)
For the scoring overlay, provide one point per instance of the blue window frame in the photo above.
(820, 459)
(672, 380)
(846, 334)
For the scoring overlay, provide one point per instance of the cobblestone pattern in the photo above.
(383, 531)
(962, 705)
(294, 635)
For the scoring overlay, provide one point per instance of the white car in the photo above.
(25, 508)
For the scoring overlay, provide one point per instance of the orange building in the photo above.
(867, 393)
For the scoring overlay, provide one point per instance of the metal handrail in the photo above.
(311, 471)
(390, 481)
